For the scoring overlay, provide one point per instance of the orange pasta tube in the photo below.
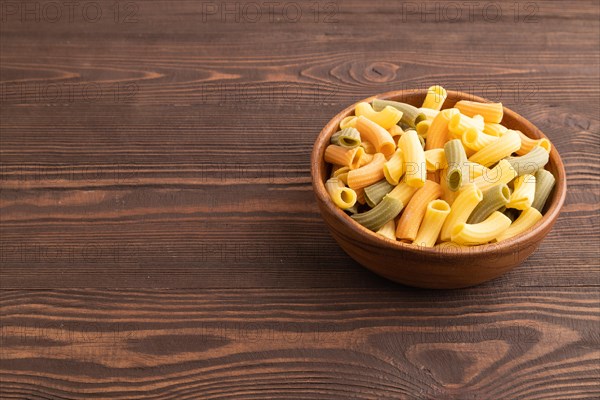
(365, 159)
(371, 132)
(527, 144)
(437, 134)
(339, 155)
(367, 175)
(360, 196)
(491, 112)
(410, 221)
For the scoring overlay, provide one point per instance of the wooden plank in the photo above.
(304, 343)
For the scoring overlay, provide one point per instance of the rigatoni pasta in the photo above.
(501, 148)
(410, 221)
(524, 191)
(427, 176)
(491, 112)
(339, 155)
(347, 137)
(343, 197)
(367, 175)
(461, 209)
(375, 192)
(411, 115)
(379, 137)
(385, 118)
(531, 162)
(414, 159)
(526, 220)
(483, 232)
(435, 214)
(437, 134)
(456, 159)
(436, 95)
(544, 183)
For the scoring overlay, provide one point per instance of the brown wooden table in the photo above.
(159, 235)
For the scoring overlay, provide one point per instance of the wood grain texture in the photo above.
(490, 343)
(161, 147)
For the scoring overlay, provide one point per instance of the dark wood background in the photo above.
(159, 235)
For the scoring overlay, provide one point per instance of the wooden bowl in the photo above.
(440, 267)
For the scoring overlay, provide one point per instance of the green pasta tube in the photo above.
(544, 183)
(411, 115)
(530, 162)
(493, 199)
(383, 212)
(347, 137)
(374, 193)
(456, 159)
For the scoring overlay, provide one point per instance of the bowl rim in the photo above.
(553, 210)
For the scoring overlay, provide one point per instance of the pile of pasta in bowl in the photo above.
(430, 175)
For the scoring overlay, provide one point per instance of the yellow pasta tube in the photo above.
(491, 112)
(503, 147)
(340, 173)
(388, 230)
(461, 208)
(494, 129)
(348, 122)
(524, 192)
(435, 159)
(478, 121)
(371, 132)
(336, 168)
(423, 127)
(437, 134)
(481, 233)
(436, 95)
(403, 192)
(460, 123)
(429, 113)
(502, 173)
(526, 220)
(396, 132)
(476, 170)
(365, 159)
(476, 140)
(415, 167)
(414, 211)
(394, 168)
(342, 197)
(339, 155)
(367, 175)
(527, 144)
(435, 214)
(385, 118)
